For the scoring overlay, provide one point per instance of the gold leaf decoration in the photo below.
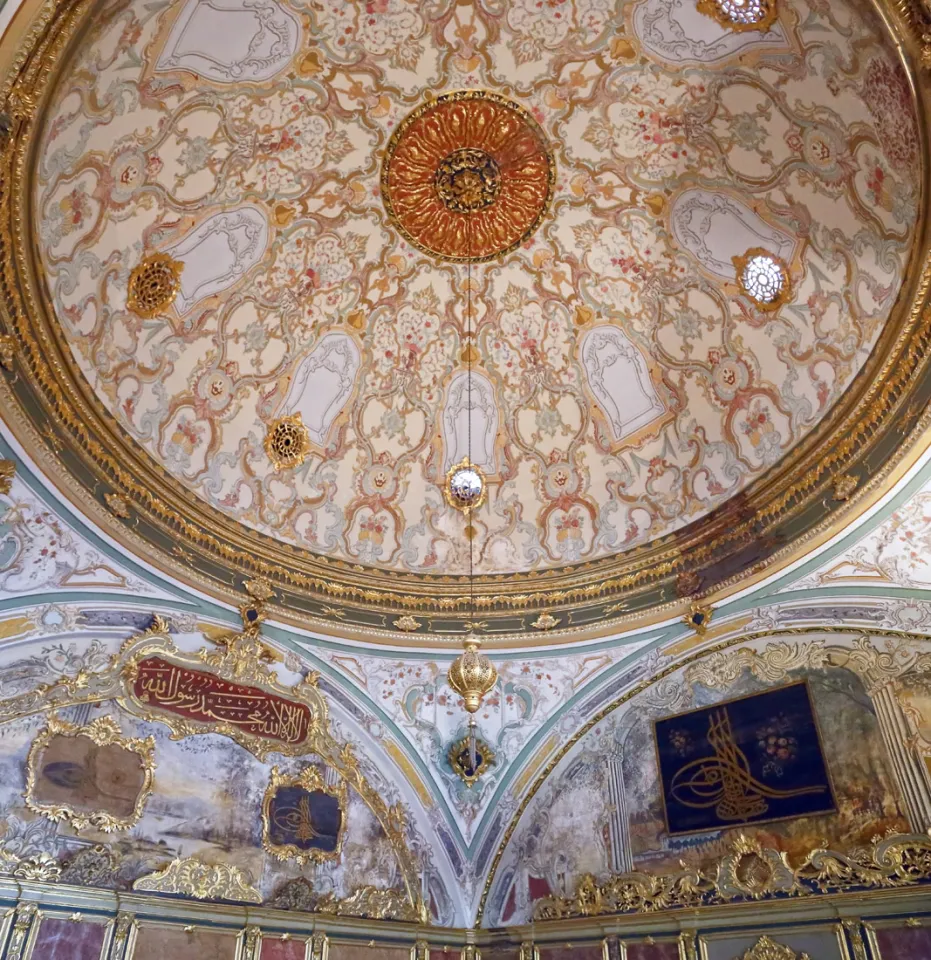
(287, 442)
(192, 878)
(749, 872)
(7, 472)
(767, 949)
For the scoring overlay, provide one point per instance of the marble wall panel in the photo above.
(60, 939)
(276, 949)
(903, 943)
(160, 941)
(652, 951)
(586, 951)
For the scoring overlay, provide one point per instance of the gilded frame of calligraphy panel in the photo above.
(230, 708)
(104, 732)
(297, 820)
(727, 751)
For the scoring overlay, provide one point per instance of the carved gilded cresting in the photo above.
(154, 680)
(750, 872)
(112, 769)
(768, 949)
(374, 903)
(191, 877)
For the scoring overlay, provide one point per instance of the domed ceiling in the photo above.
(301, 259)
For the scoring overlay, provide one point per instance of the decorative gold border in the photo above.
(832, 793)
(712, 8)
(104, 731)
(778, 950)
(431, 104)
(871, 420)
(73, 917)
(895, 861)
(454, 752)
(788, 288)
(309, 779)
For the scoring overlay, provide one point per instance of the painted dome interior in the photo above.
(624, 381)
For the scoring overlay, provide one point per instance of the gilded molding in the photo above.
(366, 902)
(190, 877)
(7, 352)
(104, 732)
(750, 872)
(310, 780)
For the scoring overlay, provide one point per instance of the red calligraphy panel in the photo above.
(198, 695)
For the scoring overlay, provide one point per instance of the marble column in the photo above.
(910, 772)
(622, 860)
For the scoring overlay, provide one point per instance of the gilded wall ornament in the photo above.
(461, 762)
(117, 505)
(845, 486)
(190, 877)
(767, 949)
(367, 902)
(468, 176)
(304, 819)
(764, 278)
(741, 14)
(750, 872)
(408, 623)
(91, 777)
(546, 621)
(153, 285)
(7, 472)
(287, 442)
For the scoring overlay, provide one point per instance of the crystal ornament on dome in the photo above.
(465, 486)
(763, 278)
(740, 14)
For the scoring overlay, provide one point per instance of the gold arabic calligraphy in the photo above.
(202, 696)
(724, 781)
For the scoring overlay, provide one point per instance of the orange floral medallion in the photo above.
(467, 176)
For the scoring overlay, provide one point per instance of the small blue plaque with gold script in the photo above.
(751, 760)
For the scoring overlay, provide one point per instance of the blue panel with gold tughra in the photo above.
(751, 760)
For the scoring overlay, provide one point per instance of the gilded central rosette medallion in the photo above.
(468, 176)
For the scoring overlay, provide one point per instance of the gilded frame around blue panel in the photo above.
(746, 824)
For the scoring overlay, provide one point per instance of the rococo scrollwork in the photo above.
(193, 878)
(97, 778)
(750, 872)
